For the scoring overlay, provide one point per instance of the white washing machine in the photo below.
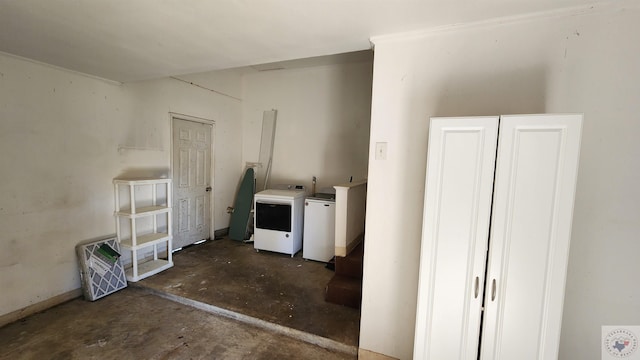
(319, 227)
(278, 220)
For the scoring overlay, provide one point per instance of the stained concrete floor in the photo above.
(134, 324)
(269, 286)
(279, 299)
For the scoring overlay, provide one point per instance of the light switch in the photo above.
(381, 151)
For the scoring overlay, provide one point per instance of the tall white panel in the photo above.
(531, 227)
(460, 169)
(192, 175)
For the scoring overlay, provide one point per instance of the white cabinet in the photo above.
(496, 231)
(143, 224)
(319, 235)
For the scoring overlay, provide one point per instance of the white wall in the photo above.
(322, 127)
(152, 102)
(63, 138)
(583, 61)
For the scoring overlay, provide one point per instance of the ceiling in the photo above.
(130, 40)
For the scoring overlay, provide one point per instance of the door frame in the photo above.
(177, 116)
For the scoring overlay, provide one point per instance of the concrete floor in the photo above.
(269, 286)
(133, 324)
(279, 301)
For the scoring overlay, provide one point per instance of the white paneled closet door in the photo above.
(529, 209)
(460, 169)
(534, 191)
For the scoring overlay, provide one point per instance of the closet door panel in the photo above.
(531, 226)
(460, 168)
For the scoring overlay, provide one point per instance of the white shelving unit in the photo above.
(152, 210)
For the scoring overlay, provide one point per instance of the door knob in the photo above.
(208, 188)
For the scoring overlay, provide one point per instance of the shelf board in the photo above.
(141, 181)
(145, 240)
(144, 211)
(147, 269)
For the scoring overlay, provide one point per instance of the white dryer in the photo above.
(278, 220)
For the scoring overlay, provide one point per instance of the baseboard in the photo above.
(38, 307)
(364, 354)
(221, 232)
(345, 250)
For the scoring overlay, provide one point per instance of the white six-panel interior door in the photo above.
(192, 190)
